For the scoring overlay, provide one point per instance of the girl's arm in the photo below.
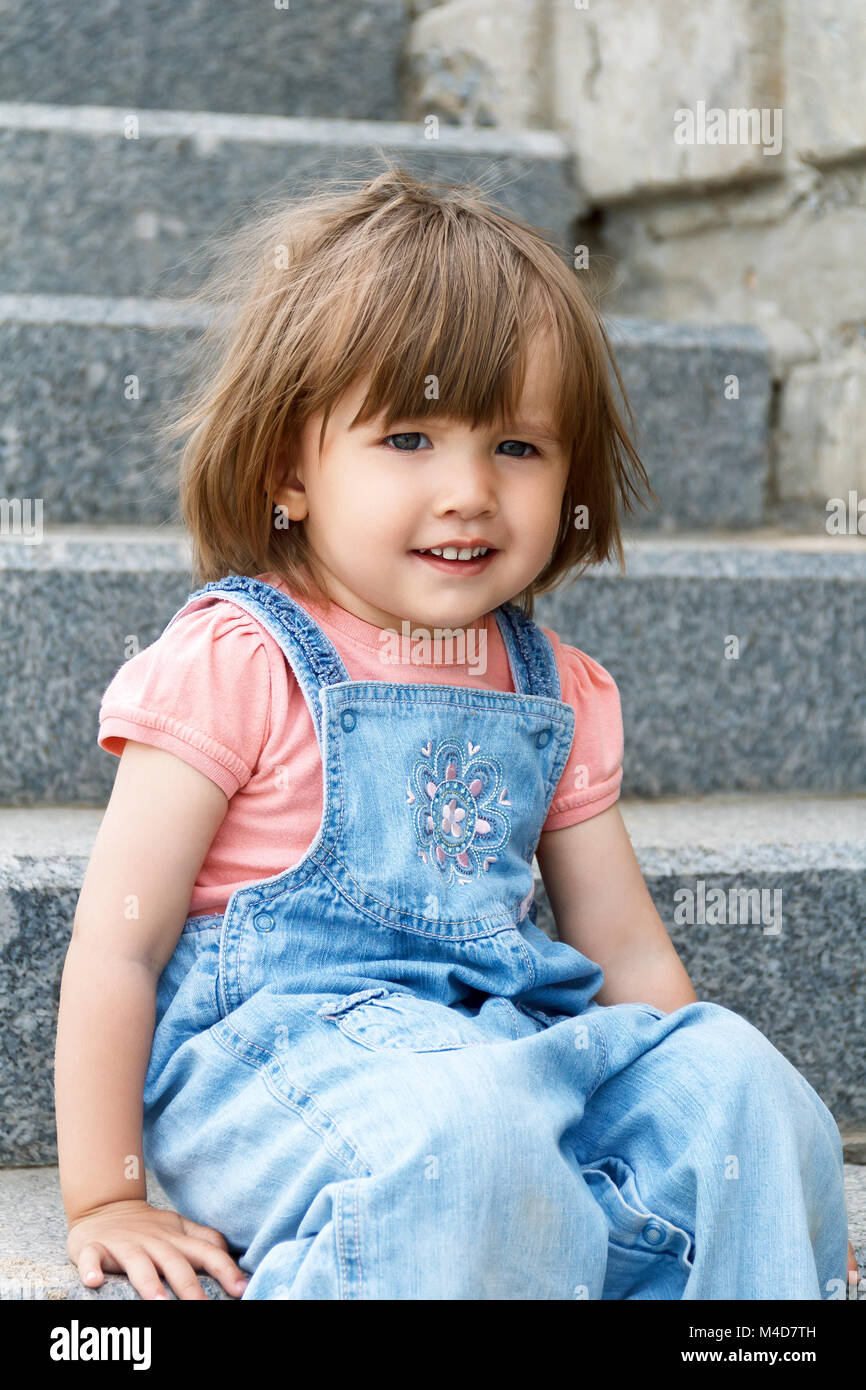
(159, 823)
(602, 907)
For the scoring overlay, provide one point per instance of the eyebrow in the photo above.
(543, 431)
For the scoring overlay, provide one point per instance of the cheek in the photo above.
(536, 510)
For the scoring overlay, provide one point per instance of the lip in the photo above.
(460, 544)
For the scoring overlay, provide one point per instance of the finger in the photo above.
(176, 1270)
(213, 1237)
(215, 1262)
(140, 1269)
(92, 1259)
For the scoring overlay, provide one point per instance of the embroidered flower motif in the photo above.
(459, 801)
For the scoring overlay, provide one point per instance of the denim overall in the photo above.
(379, 1078)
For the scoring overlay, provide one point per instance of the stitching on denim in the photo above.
(476, 806)
(401, 926)
(350, 1189)
(360, 1035)
(339, 1237)
(261, 1071)
(358, 1251)
(597, 1078)
(534, 650)
(521, 944)
(647, 1214)
(422, 694)
(330, 766)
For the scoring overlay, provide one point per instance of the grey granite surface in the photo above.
(707, 456)
(88, 211)
(33, 1229)
(288, 59)
(87, 380)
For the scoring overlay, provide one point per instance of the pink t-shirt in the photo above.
(216, 690)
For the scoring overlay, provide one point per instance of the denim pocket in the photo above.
(648, 1256)
(384, 1019)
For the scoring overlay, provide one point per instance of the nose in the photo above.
(466, 484)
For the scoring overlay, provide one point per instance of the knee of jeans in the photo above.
(497, 1143)
(754, 1062)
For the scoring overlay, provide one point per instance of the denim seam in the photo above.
(346, 1257)
(599, 1075)
(401, 926)
(284, 1099)
(444, 921)
(441, 697)
(648, 1215)
(527, 958)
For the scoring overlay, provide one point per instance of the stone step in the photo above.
(787, 954)
(788, 714)
(284, 59)
(93, 205)
(34, 1263)
(73, 437)
(33, 1230)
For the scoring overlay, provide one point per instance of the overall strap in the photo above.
(311, 655)
(530, 653)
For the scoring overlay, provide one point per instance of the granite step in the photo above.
(88, 380)
(95, 205)
(284, 59)
(784, 950)
(34, 1263)
(788, 714)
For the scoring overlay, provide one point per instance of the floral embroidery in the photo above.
(459, 801)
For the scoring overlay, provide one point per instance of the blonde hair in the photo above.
(402, 280)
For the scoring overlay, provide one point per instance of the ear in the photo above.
(289, 492)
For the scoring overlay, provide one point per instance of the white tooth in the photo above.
(451, 552)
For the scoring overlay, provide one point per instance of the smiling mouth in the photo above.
(473, 565)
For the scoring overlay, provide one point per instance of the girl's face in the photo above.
(377, 500)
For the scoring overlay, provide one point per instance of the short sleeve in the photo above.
(592, 777)
(202, 691)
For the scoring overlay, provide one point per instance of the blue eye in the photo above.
(523, 445)
(418, 434)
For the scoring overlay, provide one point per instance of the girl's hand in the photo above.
(142, 1241)
(853, 1271)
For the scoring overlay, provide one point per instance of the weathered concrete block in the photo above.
(626, 73)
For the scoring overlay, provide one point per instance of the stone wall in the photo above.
(720, 153)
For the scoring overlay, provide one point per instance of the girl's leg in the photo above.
(468, 1197)
(717, 1164)
(380, 1171)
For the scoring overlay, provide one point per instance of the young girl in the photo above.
(305, 984)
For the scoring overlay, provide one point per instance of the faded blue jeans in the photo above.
(379, 1078)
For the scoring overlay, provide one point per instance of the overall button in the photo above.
(542, 738)
(347, 719)
(653, 1233)
(263, 921)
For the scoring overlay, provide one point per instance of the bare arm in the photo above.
(602, 907)
(159, 823)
